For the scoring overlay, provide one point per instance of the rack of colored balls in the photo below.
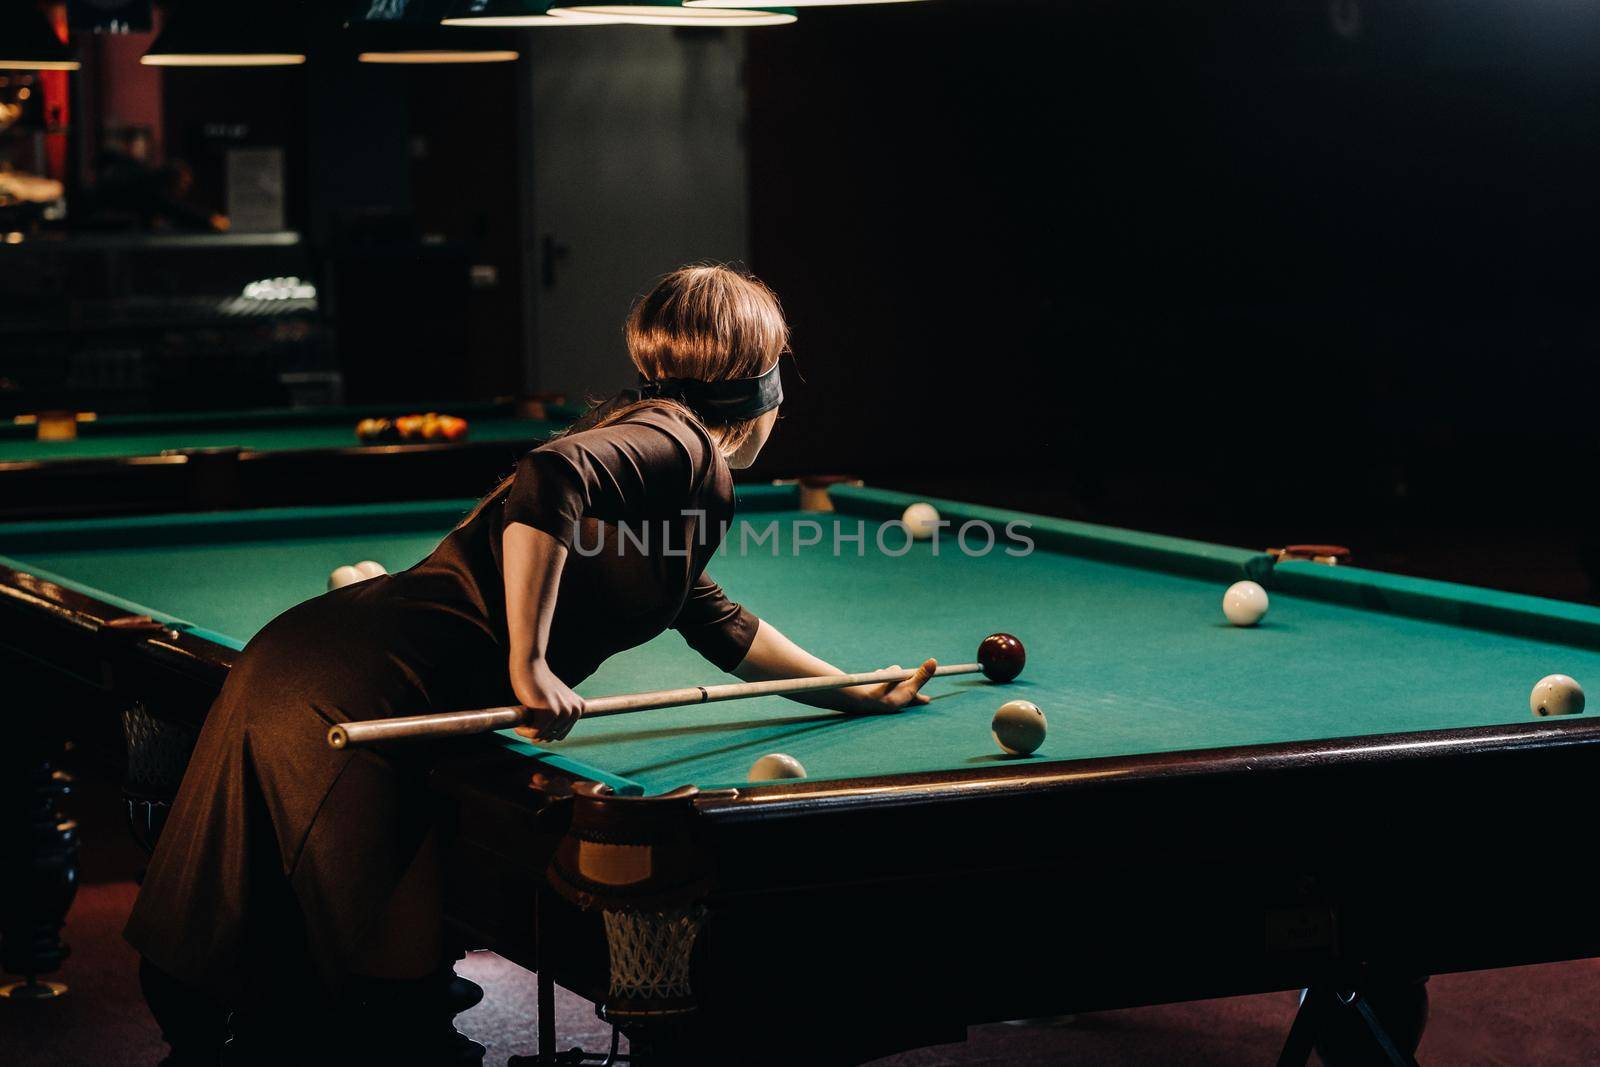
(431, 426)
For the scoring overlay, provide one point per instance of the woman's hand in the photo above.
(553, 708)
(890, 697)
(773, 655)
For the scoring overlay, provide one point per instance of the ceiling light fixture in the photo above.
(230, 33)
(672, 13)
(29, 42)
(791, 3)
(517, 13)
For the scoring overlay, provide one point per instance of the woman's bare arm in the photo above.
(772, 655)
(533, 561)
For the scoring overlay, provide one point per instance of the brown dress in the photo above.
(271, 822)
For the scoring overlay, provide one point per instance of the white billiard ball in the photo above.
(1244, 603)
(1018, 727)
(343, 576)
(1556, 694)
(921, 520)
(371, 568)
(775, 767)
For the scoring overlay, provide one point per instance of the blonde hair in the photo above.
(707, 322)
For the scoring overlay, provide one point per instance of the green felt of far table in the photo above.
(1128, 651)
(122, 436)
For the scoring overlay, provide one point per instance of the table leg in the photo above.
(547, 1016)
(1379, 1026)
(34, 902)
(547, 1056)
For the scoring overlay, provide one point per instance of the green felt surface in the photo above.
(230, 574)
(1123, 658)
(116, 437)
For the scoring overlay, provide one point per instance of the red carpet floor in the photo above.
(1527, 1017)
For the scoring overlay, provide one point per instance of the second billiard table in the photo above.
(208, 460)
(1351, 796)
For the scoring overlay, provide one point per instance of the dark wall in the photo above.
(466, 179)
(414, 180)
(207, 111)
(417, 183)
(1295, 257)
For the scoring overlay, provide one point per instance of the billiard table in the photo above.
(202, 461)
(1352, 795)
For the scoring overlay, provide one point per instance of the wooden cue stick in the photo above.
(453, 723)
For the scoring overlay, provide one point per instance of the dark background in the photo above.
(1252, 272)
(1258, 271)
(1247, 271)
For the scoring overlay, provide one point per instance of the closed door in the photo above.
(637, 160)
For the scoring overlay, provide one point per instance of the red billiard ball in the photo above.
(1001, 656)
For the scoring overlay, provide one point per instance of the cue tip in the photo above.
(337, 737)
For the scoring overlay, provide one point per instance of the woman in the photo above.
(287, 865)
